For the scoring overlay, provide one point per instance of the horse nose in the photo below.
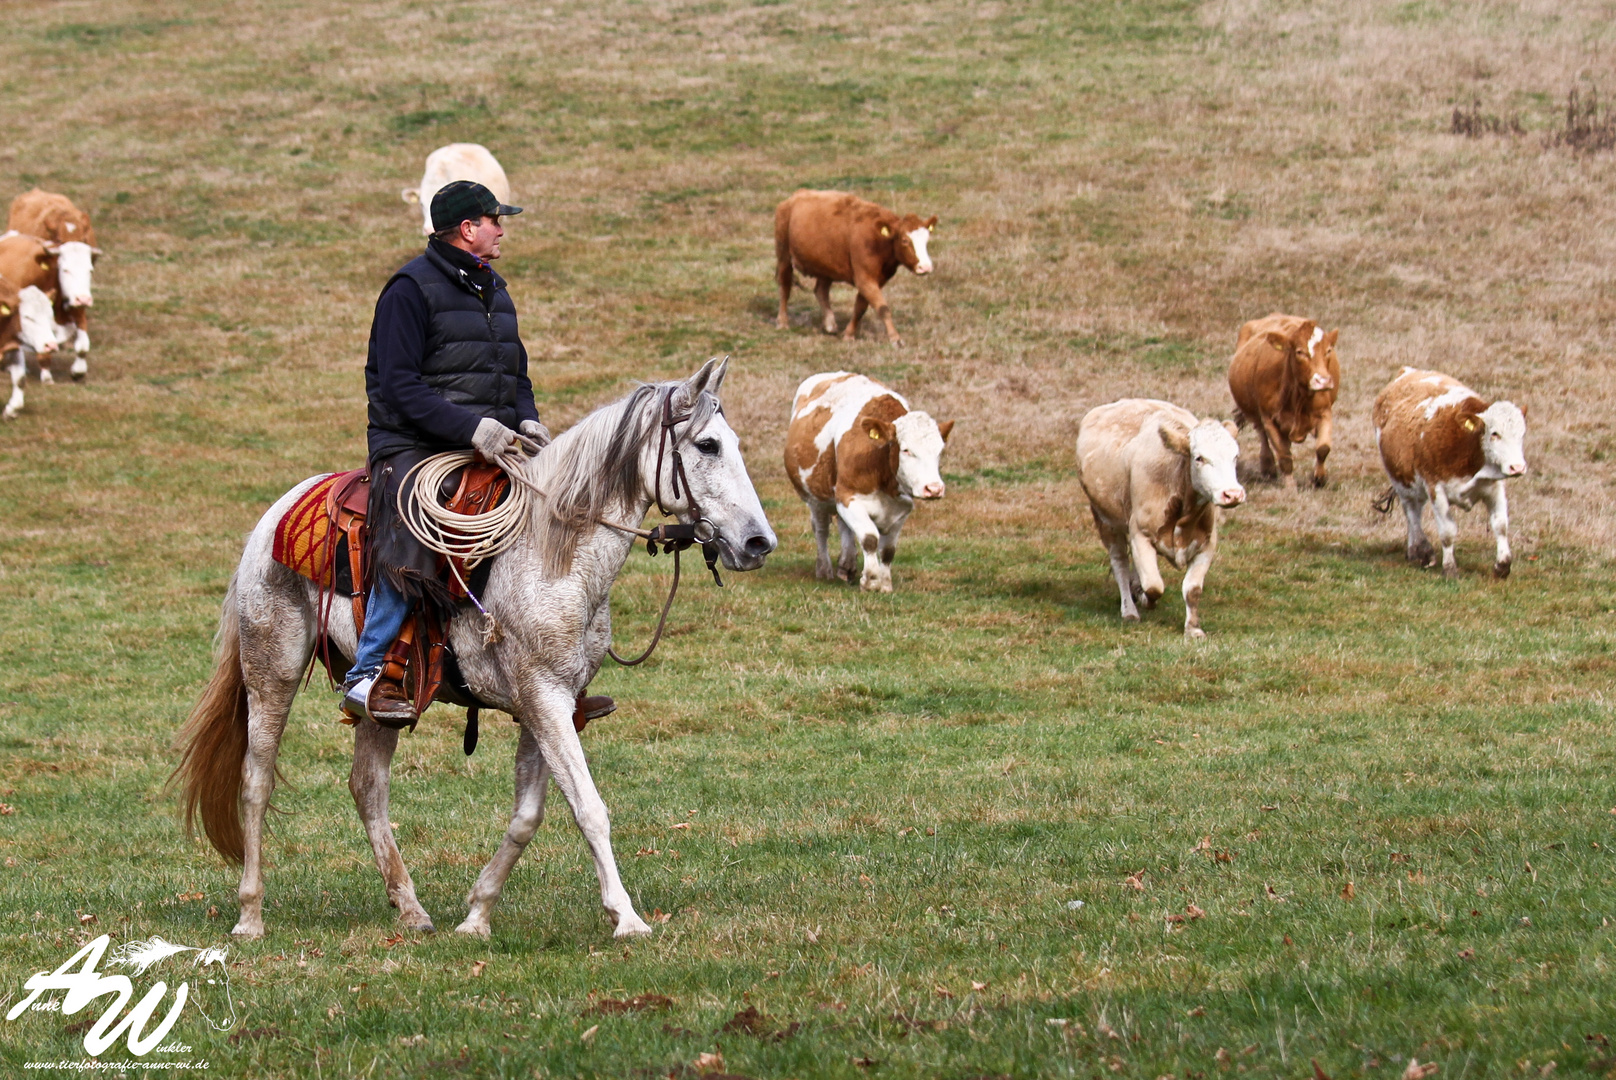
(758, 545)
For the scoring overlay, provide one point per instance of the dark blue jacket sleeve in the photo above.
(401, 321)
(525, 408)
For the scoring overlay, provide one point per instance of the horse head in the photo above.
(699, 475)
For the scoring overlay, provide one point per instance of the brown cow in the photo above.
(832, 236)
(26, 321)
(27, 261)
(1440, 441)
(67, 232)
(1285, 378)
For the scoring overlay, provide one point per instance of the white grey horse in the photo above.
(550, 595)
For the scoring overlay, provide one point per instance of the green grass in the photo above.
(892, 799)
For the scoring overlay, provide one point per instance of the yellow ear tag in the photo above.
(875, 433)
(5, 309)
(885, 231)
(1470, 423)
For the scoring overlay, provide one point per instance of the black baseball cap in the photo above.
(464, 200)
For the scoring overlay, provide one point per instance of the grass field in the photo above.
(1369, 821)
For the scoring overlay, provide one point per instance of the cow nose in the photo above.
(932, 491)
(757, 545)
(1233, 496)
(1517, 470)
(81, 301)
(47, 347)
(923, 268)
(1322, 382)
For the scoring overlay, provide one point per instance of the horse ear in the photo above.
(693, 386)
(717, 378)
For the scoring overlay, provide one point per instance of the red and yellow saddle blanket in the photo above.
(306, 538)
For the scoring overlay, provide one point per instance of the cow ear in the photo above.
(411, 196)
(1229, 426)
(1176, 437)
(1278, 340)
(946, 427)
(931, 222)
(1523, 411)
(5, 310)
(1304, 333)
(1330, 338)
(886, 232)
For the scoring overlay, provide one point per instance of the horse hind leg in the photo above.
(532, 781)
(369, 784)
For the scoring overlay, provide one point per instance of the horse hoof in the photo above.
(1501, 570)
(632, 926)
(421, 924)
(246, 930)
(473, 929)
(1194, 633)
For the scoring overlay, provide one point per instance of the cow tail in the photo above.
(1384, 503)
(1239, 417)
(213, 743)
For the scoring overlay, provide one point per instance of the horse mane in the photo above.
(592, 470)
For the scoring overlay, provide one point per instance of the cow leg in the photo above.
(1418, 549)
(1447, 530)
(877, 577)
(1498, 517)
(860, 306)
(1265, 449)
(1281, 443)
(43, 360)
(822, 294)
(368, 782)
(1146, 568)
(870, 290)
(1193, 579)
(847, 552)
(1321, 449)
(887, 548)
(1116, 547)
(782, 274)
(532, 781)
(19, 370)
(820, 514)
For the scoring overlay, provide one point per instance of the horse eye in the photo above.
(708, 446)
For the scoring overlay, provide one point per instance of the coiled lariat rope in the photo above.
(472, 538)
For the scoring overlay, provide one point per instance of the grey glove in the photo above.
(492, 439)
(535, 431)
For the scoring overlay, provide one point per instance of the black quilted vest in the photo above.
(473, 355)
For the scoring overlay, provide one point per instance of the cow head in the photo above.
(1211, 450)
(920, 441)
(37, 322)
(1312, 353)
(1502, 428)
(75, 261)
(909, 240)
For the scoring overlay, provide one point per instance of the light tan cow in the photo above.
(856, 452)
(1156, 478)
(457, 161)
(29, 262)
(1441, 442)
(1284, 379)
(68, 234)
(27, 325)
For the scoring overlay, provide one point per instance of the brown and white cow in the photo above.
(832, 236)
(1440, 442)
(29, 262)
(456, 161)
(26, 320)
(67, 232)
(1285, 378)
(855, 451)
(1156, 479)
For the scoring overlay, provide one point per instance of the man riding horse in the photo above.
(446, 371)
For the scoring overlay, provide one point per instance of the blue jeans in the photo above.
(385, 613)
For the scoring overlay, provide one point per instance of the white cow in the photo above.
(1156, 478)
(29, 326)
(457, 161)
(855, 452)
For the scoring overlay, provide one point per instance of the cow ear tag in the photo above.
(1470, 423)
(875, 433)
(5, 309)
(885, 231)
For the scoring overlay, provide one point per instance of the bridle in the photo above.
(679, 535)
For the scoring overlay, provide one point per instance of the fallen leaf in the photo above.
(1466, 954)
(1248, 1051)
(1267, 808)
(477, 968)
(1204, 845)
(7, 808)
(942, 991)
(1272, 895)
(1222, 1055)
(866, 1062)
(1107, 1030)
(333, 1012)
(1224, 856)
(1136, 881)
(1416, 1071)
(392, 939)
(1526, 921)
(812, 935)
(1175, 919)
(412, 1040)
(590, 1034)
(681, 825)
(647, 851)
(713, 1062)
(660, 916)
(637, 1003)
(392, 824)
(978, 986)
(1398, 856)
(1347, 891)
(1195, 912)
(86, 920)
(1199, 1010)
(864, 879)
(771, 975)
(1056, 1021)
(1318, 1073)
(213, 912)
(1287, 939)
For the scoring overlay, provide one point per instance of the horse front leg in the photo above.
(369, 782)
(552, 725)
(532, 781)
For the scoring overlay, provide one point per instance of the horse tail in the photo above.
(214, 743)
